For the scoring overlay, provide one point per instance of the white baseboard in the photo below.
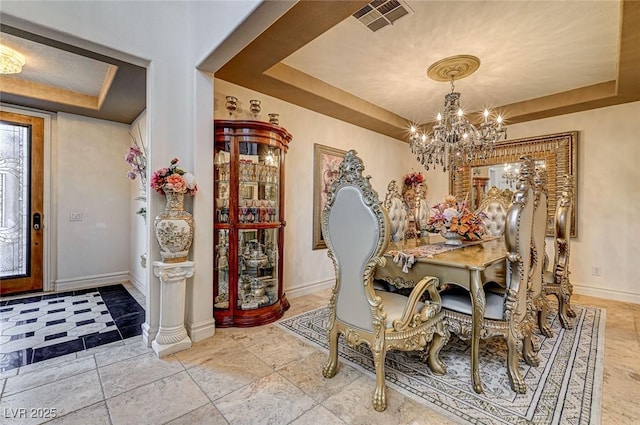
(607, 293)
(203, 330)
(84, 282)
(310, 288)
(137, 284)
(148, 334)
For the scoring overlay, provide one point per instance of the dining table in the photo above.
(468, 266)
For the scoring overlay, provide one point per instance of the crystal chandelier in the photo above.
(510, 173)
(454, 140)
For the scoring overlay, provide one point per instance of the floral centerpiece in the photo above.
(453, 219)
(173, 179)
(413, 179)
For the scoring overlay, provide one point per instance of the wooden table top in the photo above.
(478, 256)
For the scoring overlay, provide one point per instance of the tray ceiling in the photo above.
(538, 59)
(59, 77)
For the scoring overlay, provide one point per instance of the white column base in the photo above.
(172, 335)
(166, 349)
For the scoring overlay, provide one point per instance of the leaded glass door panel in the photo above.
(21, 203)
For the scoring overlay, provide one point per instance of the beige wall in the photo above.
(90, 180)
(608, 197)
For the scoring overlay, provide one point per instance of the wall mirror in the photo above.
(557, 152)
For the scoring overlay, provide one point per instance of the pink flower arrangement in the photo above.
(173, 179)
(413, 179)
(137, 159)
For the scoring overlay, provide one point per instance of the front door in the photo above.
(21, 203)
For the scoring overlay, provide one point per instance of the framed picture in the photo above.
(326, 167)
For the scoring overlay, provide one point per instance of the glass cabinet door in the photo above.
(259, 178)
(257, 268)
(221, 269)
(221, 160)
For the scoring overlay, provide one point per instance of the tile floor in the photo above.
(40, 327)
(258, 375)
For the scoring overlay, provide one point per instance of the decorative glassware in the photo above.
(452, 238)
(273, 119)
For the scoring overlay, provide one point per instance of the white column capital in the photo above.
(173, 272)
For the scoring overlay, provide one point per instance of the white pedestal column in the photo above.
(172, 335)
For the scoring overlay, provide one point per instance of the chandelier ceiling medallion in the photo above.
(11, 62)
(454, 140)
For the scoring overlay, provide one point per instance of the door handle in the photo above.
(37, 221)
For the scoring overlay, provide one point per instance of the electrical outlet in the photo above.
(596, 270)
(75, 216)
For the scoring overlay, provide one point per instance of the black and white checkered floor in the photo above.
(41, 327)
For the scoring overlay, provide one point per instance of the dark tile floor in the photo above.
(37, 328)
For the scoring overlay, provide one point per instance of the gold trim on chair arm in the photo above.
(409, 317)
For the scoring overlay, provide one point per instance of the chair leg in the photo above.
(440, 338)
(380, 393)
(567, 294)
(543, 325)
(563, 312)
(528, 352)
(331, 366)
(513, 355)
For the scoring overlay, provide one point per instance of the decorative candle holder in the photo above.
(231, 104)
(255, 107)
(273, 119)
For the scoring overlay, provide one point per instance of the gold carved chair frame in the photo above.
(559, 152)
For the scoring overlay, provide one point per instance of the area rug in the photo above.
(566, 388)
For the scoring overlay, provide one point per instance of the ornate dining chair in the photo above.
(506, 313)
(539, 304)
(356, 230)
(556, 281)
(507, 196)
(397, 212)
(494, 209)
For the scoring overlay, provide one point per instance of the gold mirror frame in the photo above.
(559, 151)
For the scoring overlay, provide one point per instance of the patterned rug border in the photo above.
(593, 413)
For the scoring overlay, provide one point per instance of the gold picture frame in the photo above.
(560, 154)
(326, 162)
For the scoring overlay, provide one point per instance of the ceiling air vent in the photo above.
(380, 13)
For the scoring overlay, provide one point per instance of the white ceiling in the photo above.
(527, 49)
